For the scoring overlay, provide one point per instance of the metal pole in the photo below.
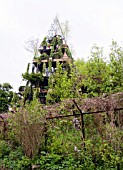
(82, 122)
(82, 126)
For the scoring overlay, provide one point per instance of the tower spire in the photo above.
(56, 29)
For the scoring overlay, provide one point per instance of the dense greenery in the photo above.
(92, 78)
(32, 78)
(5, 96)
(101, 75)
(62, 84)
(57, 144)
(26, 145)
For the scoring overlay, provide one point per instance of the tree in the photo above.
(5, 96)
(116, 67)
(32, 46)
(65, 29)
(96, 73)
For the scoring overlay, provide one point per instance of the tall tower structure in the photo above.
(52, 49)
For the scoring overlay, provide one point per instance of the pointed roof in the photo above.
(56, 29)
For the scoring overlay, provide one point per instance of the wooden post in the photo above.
(46, 137)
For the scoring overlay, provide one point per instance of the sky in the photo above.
(91, 22)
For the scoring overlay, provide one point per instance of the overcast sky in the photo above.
(91, 22)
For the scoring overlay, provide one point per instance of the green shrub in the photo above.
(12, 157)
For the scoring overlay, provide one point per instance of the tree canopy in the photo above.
(5, 96)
